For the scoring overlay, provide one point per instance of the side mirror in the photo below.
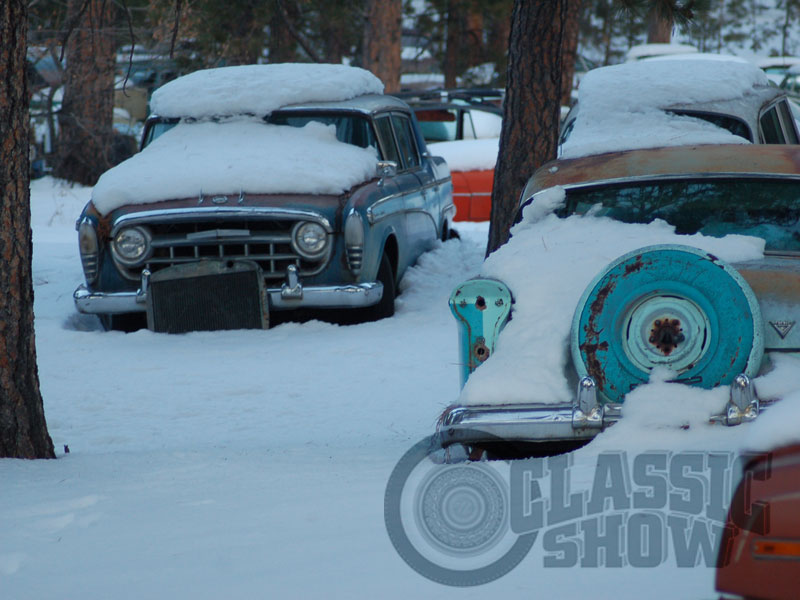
(387, 168)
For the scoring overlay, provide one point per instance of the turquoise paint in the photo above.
(718, 314)
(482, 308)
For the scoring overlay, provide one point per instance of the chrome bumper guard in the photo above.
(291, 295)
(582, 420)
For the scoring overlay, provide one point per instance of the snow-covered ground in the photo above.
(253, 464)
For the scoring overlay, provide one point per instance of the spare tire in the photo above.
(672, 306)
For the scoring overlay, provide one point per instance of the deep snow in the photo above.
(253, 464)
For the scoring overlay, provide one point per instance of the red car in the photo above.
(759, 556)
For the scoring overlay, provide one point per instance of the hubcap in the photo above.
(665, 330)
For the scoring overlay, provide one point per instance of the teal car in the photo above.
(671, 305)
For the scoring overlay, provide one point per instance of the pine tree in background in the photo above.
(382, 41)
(85, 121)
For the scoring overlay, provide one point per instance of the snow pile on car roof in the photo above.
(547, 264)
(467, 155)
(227, 157)
(622, 107)
(260, 89)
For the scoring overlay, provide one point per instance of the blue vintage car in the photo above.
(227, 258)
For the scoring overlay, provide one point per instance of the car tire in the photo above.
(127, 323)
(385, 307)
(666, 306)
(448, 233)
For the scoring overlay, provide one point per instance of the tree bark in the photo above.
(23, 430)
(659, 29)
(86, 118)
(382, 41)
(529, 136)
(454, 40)
(570, 50)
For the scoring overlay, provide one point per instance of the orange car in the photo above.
(471, 165)
(472, 194)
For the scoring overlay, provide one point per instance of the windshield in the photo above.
(765, 208)
(350, 129)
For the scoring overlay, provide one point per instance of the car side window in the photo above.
(469, 127)
(787, 118)
(406, 141)
(384, 128)
(771, 127)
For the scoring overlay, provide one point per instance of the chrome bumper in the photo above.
(290, 295)
(582, 420)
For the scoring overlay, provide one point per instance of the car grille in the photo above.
(212, 297)
(267, 243)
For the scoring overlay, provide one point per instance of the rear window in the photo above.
(765, 208)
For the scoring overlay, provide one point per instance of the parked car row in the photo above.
(289, 197)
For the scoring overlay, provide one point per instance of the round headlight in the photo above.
(131, 245)
(310, 239)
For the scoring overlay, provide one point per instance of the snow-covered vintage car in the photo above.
(262, 188)
(681, 260)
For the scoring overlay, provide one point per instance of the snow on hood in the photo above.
(260, 89)
(622, 107)
(467, 155)
(227, 157)
(547, 264)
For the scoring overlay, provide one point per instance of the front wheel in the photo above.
(385, 307)
(126, 322)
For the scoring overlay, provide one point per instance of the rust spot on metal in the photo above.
(666, 334)
(591, 346)
(480, 351)
(480, 303)
(634, 267)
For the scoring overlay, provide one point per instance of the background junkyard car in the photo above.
(670, 306)
(676, 102)
(463, 127)
(302, 186)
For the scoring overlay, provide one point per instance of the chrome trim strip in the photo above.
(217, 212)
(473, 194)
(677, 176)
(371, 209)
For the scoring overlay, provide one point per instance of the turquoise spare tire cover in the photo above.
(668, 305)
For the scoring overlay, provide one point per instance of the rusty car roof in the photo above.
(758, 160)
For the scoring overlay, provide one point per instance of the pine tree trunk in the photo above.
(86, 118)
(23, 430)
(475, 52)
(453, 54)
(529, 136)
(659, 30)
(570, 50)
(382, 41)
